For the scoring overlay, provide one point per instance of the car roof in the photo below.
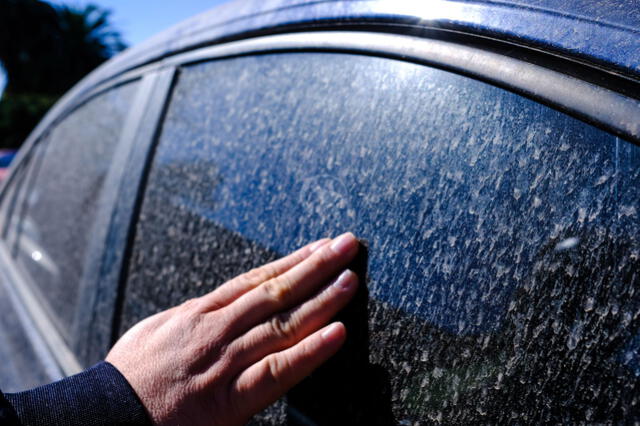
(621, 13)
(601, 32)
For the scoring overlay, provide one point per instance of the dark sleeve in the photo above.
(97, 396)
(8, 416)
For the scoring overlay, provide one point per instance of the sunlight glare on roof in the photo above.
(428, 10)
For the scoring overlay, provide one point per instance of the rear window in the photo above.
(502, 235)
(63, 198)
(13, 194)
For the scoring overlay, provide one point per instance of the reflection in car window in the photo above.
(502, 235)
(63, 199)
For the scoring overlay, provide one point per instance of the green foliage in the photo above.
(45, 50)
(30, 47)
(19, 113)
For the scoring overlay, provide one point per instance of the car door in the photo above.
(500, 232)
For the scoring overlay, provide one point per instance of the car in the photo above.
(486, 153)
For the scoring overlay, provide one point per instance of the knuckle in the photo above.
(191, 308)
(256, 275)
(321, 260)
(224, 366)
(261, 274)
(189, 305)
(282, 326)
(278, 290)
(274, 370)
(268, 271)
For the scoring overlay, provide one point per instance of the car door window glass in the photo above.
(62, 202)
(502, 234)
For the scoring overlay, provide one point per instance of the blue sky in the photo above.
(138, 20)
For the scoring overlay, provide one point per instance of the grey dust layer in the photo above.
(501, 235)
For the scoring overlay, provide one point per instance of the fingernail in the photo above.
(344, 281)
(344, 243)
(315, 246)
(332, 332)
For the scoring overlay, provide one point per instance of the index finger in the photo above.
(293, 287)
(236, 287)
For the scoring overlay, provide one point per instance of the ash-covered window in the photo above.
(63, 198)
(502, 235)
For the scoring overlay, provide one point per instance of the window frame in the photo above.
(41, 148)
(70, 357)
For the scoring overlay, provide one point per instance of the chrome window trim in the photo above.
(609, 110)
(114, 228)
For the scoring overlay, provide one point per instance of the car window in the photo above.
(63, 199)
(9, 203)
(502, 234)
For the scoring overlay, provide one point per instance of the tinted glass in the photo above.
(9, 204)
(64, 198)
(502, 235)
(22, 364)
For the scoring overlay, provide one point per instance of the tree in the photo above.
(88, 38)
(45, 50)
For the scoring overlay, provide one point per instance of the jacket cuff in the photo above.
(8, 416)
(97, 396)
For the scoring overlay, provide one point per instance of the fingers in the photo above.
(292, 287)
(241, 284)
(286, 329)
(266, 381)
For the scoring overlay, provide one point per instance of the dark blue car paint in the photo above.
(596, 34)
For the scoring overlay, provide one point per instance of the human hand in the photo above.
(220, 358)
